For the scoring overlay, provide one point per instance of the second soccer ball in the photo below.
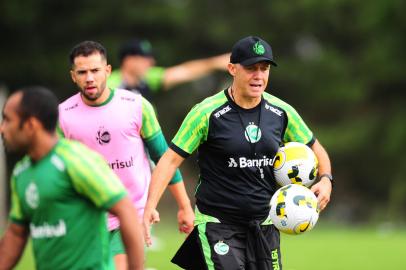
(294, 209)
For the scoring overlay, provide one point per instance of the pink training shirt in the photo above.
(112, 129)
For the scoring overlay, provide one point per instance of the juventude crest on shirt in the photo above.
(32, 195)
(221, 248)
(103, 136)
(252, 133)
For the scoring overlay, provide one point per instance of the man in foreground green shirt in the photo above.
(61, 191)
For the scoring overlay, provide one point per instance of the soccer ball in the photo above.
(295, 163)
(294, 209)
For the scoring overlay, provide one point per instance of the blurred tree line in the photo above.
(341, 64)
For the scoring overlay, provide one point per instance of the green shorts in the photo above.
(116, 244)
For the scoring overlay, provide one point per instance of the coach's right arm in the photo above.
(157, 146)
(161, 176)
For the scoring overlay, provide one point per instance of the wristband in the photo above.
(329, 176)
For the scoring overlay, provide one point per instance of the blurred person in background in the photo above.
(60, 192)
(120, 125)
(138, 72)
(236, 127)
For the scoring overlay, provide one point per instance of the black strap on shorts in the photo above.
(258, 251)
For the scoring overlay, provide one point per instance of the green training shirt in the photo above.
(149, 85)
(63, 199)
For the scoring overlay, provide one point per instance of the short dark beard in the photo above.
(82, 92)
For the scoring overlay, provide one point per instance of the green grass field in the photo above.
(324, 248)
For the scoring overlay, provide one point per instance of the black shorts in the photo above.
(221, 246)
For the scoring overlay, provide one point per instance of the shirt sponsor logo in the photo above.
(221, 248)
(273, 109)
(222, 111)
(119, 164)
(32, 195)
(232, 163)
(48, 231)
(244, 162)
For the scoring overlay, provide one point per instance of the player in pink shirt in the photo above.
(119, 125)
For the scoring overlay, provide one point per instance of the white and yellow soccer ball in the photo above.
(294, 209)
(295, 163)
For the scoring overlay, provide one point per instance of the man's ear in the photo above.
(32, 124)
(231, 69)
(72, 75)
(108, 70)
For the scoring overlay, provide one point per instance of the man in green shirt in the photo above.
(138, 72)
(60, 192)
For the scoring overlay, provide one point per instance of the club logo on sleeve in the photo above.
(252, 133)
(221, 248)
(32, 195)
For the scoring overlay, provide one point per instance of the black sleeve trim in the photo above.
(179, 151)
(285, 125)
(312, 141)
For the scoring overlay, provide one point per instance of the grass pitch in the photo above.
(325, 248)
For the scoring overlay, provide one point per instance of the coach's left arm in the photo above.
(323, 187)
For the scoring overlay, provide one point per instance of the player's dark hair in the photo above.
(86, 48)
(41, 103)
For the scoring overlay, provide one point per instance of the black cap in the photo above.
(135, 47)
(251, 50)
